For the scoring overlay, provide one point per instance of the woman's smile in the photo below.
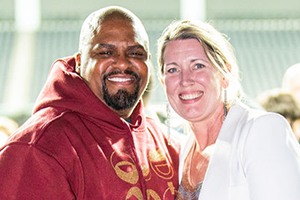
(190, 96)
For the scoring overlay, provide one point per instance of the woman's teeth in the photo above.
(190, 96)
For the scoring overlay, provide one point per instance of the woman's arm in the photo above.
(271, 160)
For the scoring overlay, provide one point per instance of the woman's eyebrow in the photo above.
(199, 59)
(171, 63)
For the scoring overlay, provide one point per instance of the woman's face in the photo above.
(193, 84)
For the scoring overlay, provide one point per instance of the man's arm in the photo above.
(28, 174)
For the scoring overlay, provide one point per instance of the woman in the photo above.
(233, 152)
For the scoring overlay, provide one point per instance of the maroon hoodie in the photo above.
(75, 147)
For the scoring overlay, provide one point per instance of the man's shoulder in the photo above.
(47, 123)
(69, 60)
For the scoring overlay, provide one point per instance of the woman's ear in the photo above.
(224, 80)
(224, 83)
(162, 81)
(228, 66)
(78, 62)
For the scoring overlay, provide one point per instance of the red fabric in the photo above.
(74, 147)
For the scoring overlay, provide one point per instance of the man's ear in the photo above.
(78, 62)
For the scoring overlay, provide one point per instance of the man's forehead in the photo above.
(116, 15)
(134, 46)
(118, 30)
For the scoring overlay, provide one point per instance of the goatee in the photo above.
(122, 99)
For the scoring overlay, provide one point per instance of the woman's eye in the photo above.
(199, 66)
(172, 70)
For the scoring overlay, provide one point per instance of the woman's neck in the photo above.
(207, 131)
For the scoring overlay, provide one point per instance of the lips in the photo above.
(190, 96)
(120, 80)
(123, 78)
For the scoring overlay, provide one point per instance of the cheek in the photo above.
(141, 67)
(88, 67)
(170, 85)
(145, 74)
(209, 80)
(202, 78)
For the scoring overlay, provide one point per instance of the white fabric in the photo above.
(256, 157)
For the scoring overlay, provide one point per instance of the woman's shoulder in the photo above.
(261, 125)
(249, 123)
(257, 115)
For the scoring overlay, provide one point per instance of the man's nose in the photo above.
(122, 61)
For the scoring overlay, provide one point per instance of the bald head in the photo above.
(92, 25)
(291, 81)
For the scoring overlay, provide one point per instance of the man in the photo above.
(291, 85)
(88, 137)
(7, 127)
(291, 81)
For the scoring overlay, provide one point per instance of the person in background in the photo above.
(88, 137)
(291, 81)
(233, 152)
(291, 85)
(7, 127)
(283, 103)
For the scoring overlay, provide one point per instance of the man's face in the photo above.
(114, 66)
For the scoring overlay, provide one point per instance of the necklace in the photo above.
(198, 164)
(187, 190)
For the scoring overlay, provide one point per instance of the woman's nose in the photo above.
(187, 78)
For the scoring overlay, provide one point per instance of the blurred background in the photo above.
(34, 33)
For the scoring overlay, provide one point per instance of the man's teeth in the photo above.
(116, 79)
(190, 96)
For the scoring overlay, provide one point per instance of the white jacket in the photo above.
(256, 157)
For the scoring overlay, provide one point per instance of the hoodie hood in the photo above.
(66, 91)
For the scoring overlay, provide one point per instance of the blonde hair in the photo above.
(216, 46)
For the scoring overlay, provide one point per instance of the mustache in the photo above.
(129, 72)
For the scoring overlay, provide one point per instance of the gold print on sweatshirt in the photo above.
(171, 189)
(136, 192)
(146, 172)
(160, 165)
(151, 194)
(125, 170)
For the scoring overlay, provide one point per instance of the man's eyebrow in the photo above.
(138, 46)
(98, 46)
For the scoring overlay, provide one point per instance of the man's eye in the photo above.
(136, 53)
(105, 53)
